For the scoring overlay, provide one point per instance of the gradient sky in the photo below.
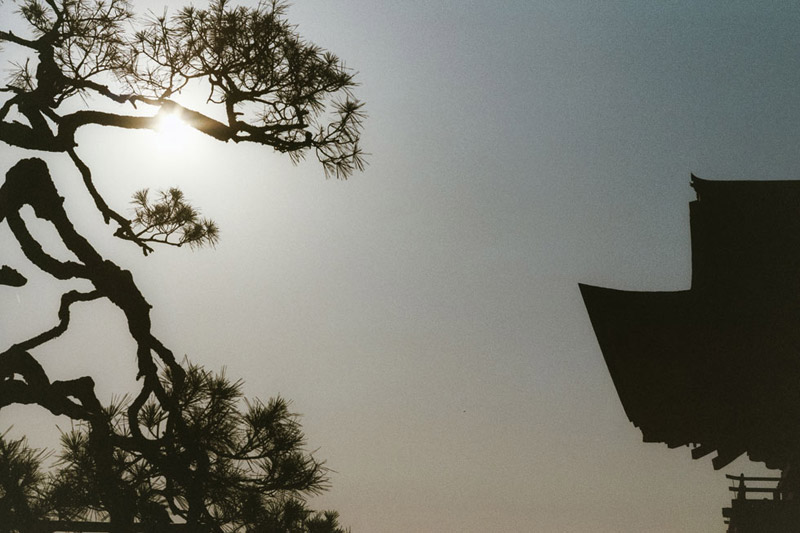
(424, 316)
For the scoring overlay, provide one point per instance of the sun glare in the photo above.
(173, 133)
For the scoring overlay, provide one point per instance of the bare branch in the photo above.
(67, 300)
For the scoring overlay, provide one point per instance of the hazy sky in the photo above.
(424, 316)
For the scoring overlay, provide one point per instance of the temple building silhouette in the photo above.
(717, 367)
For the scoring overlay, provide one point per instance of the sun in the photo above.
(173, 134)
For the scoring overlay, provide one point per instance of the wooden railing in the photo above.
(742, 489)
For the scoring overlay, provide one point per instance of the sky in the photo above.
(424, 316)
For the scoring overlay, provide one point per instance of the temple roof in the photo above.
(717, 365)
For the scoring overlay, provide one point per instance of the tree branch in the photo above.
(67, 299)
(35, 387)
(10, 277)
(125, 231)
